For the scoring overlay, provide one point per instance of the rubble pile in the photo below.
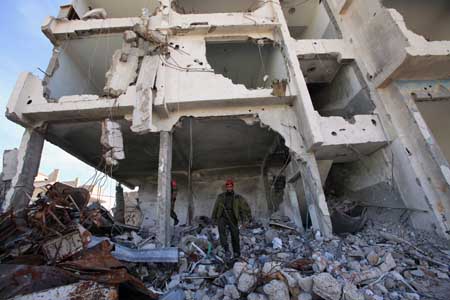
(278, 263)
(63, 246)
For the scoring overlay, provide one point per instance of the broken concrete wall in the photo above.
(78, 66)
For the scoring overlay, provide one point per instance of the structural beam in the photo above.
(314, 195)
(164, 178)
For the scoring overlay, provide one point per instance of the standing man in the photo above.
(173, 198)
(230, 209)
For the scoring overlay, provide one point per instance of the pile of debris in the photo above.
(279, 263)
(61, 248)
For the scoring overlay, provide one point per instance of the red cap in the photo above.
(174, 184)
(229, 182)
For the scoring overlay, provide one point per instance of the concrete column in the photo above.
(119, 213)
(22, 184)
(295, 207)
(164, 178)
(315, 198)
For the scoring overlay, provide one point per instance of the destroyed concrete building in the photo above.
(302, 103)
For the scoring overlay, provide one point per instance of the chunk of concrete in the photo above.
(276, 290)
(231, 291)
(246, 282)
(129, 36)
(304, 296)
(96, 13)
(305, 283)
(271, 267)
(9, 164)
(112, 141)
(238, 267)
(388, 264)
(121, 73)
(325, 286)
(350, 292)
(256, 296)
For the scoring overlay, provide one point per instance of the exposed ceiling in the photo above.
(216, 143)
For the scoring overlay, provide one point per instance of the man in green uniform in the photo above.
(230, 209)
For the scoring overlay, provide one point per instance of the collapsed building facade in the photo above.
(300, 102)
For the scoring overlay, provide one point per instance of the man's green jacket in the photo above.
(241, 210)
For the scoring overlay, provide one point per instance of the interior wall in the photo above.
(247, 63)
(82, 65)
(431, 18)
(437, 117)
(214, 6)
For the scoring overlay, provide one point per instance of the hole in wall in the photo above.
(251, 63)
(343, 95)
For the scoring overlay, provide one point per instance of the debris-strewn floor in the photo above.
(381, 262)
(61, 246)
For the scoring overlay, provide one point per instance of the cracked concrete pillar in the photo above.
(22, 184)
(164, 178)
(314, 195)
(119, 213)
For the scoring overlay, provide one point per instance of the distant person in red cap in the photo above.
(173, 215)
(229, 210)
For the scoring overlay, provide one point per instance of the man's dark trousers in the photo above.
(226, 225)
